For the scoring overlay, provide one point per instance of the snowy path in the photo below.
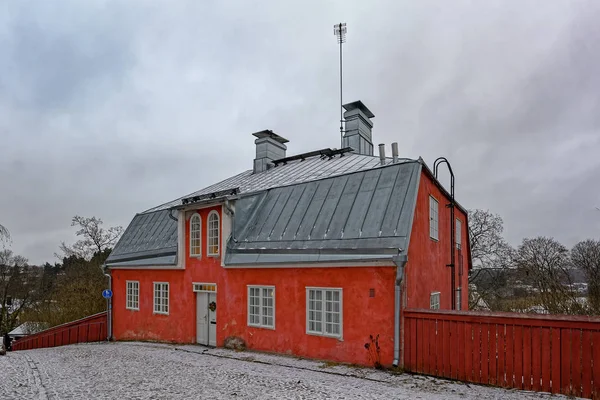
(155, 371)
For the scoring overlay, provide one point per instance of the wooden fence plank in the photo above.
(510, 344)
(576, 362)
(547, 360)
(446, 350)
(565, 361)
(419, 337)
(425, 339)
(477, 353)
(433, 347)
(501, 367)
(586, 364)
(527, 358)
(461, 351)
(518, 357)
(468, 351)
(556, 365)
(408, 337)
(493, 355)
(596, 367)
(413, 345)
(485, 357)
(536, 358)
(453, 349)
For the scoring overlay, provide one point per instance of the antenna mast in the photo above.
(339, 30)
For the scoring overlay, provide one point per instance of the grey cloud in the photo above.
(110, 108)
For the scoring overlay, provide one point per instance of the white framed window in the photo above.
(324, 311)
(133, 295)
(434, 300)
(433, 218)
(458, 299)
(458, 234)
(195, 235)
(261, 306)
(161, 297)
(213, 233)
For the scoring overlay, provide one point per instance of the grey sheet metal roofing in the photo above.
(294, 172)
(344, 197)
(150, 239)
(364, 215)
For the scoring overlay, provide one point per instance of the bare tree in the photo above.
(4, 234)
(95, 238)
(585, 255)
(18, 283)
(544, 264)
(491, 256)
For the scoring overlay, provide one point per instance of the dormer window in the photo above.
(213, 233)
(195, 236)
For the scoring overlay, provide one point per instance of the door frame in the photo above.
(208, 288)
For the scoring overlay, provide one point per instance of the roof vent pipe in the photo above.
(382, 153)
(395, 152)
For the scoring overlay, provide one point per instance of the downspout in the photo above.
(109, 305)
(232, 214)
(400, 262)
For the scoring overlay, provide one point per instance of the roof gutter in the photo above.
(400, 262)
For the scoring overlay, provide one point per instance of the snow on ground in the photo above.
(129, 370)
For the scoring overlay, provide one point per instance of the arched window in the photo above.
(213, 233)
(195, 236)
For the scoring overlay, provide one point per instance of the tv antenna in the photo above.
(339, 30)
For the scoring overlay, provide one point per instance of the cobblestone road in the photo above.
(152, 371)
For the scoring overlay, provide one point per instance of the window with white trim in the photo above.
(434, 301)
(324, 312)
(133, 295)
(433, 218)
(458, 299)
(161, 297)
(213, 234)
(458, 234)
(261, 306)
(195, 236)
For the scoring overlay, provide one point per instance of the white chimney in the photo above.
(269, 147)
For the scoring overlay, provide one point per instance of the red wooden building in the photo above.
(306, 255)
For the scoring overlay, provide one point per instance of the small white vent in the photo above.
(204, 287)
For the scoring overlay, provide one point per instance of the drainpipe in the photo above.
(109, 302)
(232, 214)
(400, 262)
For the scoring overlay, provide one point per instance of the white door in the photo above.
(206, 320)
(202, 318)
(212, 321)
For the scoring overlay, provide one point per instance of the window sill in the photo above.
(132, 309)
(271, 328)
(434, 239)
(160, 313)
(339, 338)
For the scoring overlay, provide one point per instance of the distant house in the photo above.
(27, 328)
(305, 255)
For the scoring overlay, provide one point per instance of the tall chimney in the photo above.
(358, 128)
(269, 147)
(382, 153)
(395, 152)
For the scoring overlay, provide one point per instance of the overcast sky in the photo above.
(108, 108)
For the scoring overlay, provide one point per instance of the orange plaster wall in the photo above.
(426, 269)
(362, 315)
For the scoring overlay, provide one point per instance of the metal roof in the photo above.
(150, 235)
(151, 238)
(293, 172)
(368, 213)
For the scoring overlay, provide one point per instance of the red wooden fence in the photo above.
(88, 329)
(558, 354)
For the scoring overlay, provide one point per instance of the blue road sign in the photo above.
(107, 293)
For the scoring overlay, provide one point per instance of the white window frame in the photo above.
(261, 306)
(192, 232)
(162, 308)
(132, 298)
(458, 233)
(209, 235)
(323, 331)
(434, 217)
(434, 300)
(459, 298)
